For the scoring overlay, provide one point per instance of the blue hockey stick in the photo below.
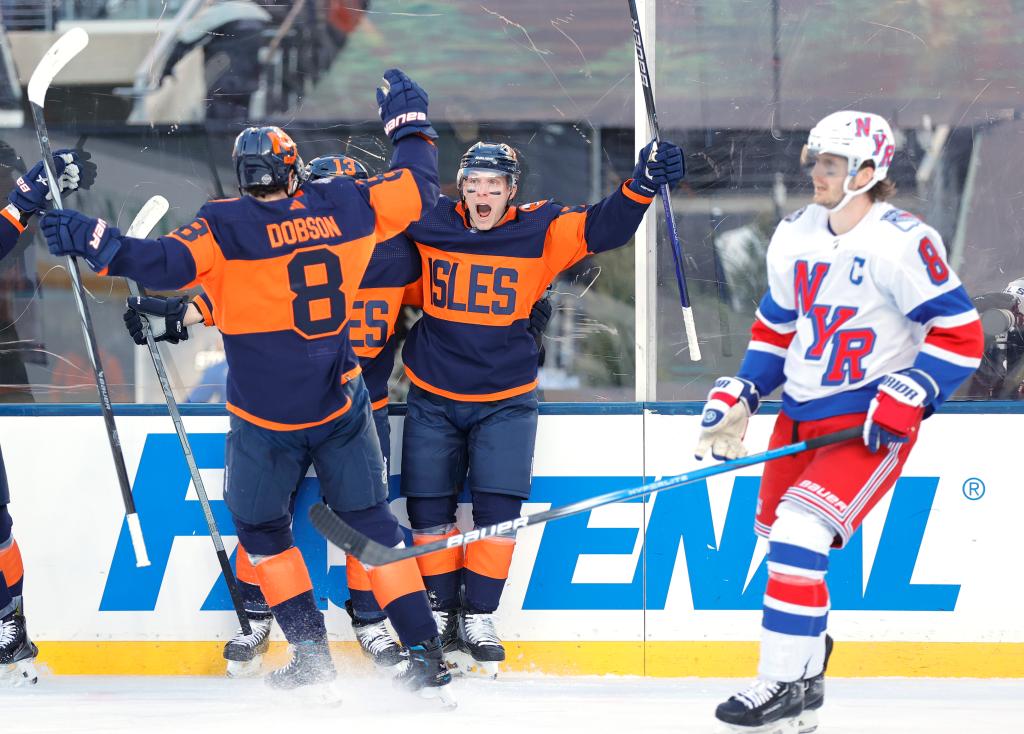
(372, 553)
(666, 199)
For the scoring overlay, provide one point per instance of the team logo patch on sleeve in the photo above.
(795, 215)
(903, 221)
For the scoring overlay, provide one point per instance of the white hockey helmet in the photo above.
(859, 137)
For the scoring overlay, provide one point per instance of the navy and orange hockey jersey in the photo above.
(478, 288)
(283, 276)
(392, 280)
(10, 230)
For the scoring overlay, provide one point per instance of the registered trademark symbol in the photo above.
(974, 489)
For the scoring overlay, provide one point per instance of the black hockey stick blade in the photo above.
(350, 540)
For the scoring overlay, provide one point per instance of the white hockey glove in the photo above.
(730, 404)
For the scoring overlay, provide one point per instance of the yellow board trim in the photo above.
(658, 659)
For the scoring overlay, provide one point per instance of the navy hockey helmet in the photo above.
(331, 166)
(491, 157)
(266, 156)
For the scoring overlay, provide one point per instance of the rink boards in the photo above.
(670, 586)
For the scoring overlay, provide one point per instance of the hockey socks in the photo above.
(364, 605)
(441, 571)
(12, 574)
(398, 588)
(487, 565)
(288, 590)
(253, 602)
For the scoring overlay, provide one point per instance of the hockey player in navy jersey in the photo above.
(472, 362)
(864, 322)
(74, 171)
(392, 279)
(281, 265)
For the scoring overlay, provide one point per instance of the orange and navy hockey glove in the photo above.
(402, 104)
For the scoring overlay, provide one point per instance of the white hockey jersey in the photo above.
(841, 311)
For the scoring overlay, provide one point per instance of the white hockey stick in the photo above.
(60, 54)
(151, 213)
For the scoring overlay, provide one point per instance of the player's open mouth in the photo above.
(483, 210)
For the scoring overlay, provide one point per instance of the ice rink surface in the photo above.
(519, 703)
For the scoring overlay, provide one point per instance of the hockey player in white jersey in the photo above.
(864, 322)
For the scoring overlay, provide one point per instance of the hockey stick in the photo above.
(372, 553)
(666, 199)
(60, 54)
(151, 213)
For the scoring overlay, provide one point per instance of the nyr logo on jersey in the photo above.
(846, 347)
(903, 221)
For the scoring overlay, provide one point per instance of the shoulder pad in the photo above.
(903, 221)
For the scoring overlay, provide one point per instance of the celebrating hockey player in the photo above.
(74, 171)
(864, 322)
(472, 361)
(281, 265)
(392, 279)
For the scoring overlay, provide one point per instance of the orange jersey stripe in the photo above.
(395, 580)
(244, 569)
(10, 563)
(634, 196)
(357, 575)
(275, 426)
(483, 398)
(283, 577)
(204, 311)
(444, 561)
(490, 557)
(15, 221)
(378, 404)
(397, 202)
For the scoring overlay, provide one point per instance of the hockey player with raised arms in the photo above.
(472, 361)
(392, 278)
(281, 265)
(864, 322)
(74, 171)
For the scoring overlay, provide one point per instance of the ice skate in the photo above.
(16, 652)
(310, 671)
(425, 673)
(478, 640)
(766, 707)
(376, 641)
(814, 694)
(244, 653)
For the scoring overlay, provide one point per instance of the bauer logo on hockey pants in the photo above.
(682, 544)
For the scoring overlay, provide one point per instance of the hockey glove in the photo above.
(164, 318)
(897, 409)
(74, 171)
(657, 167)
(402, 104)
(68, 232)
(540, 314)
(723, 424)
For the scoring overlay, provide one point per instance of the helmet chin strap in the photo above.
(848, 194)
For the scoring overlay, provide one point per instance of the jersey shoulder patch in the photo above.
(532, 206)
(902, 220)
(795, 215)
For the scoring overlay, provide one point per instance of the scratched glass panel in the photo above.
(740, 83)
(158, 101)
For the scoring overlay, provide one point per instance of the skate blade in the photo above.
(461, 663)
(441, 695)
(807, 722)
(321, 694)
(785, 726)
(245, 668)
(21, 673)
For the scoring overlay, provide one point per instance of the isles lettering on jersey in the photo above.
(485, 289)
(368, 323)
